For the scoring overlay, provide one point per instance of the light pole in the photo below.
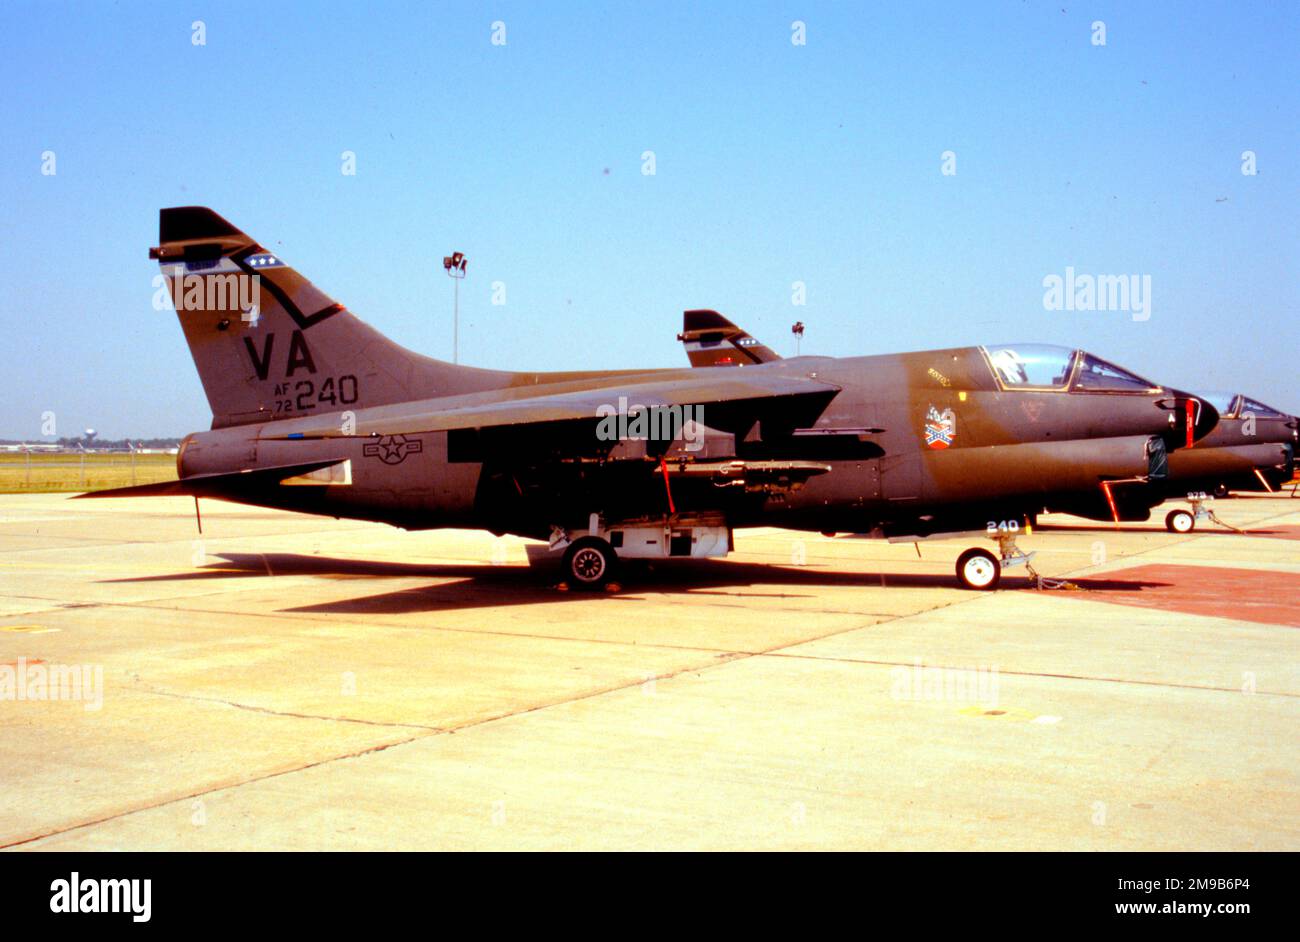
(455, 266)
(797, 330)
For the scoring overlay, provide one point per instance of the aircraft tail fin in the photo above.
(712, 340)
(268, 344)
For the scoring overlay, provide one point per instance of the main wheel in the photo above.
(589, 563)
(979, 569)
(1220, 490)
(1179, 521)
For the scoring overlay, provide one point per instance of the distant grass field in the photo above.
(64, 472)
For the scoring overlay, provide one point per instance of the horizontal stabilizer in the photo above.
(217, 485)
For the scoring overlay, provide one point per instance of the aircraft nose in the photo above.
(1191, 418)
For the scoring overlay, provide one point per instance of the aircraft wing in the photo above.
(730, 401)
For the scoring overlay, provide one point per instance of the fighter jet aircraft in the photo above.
(1251, 449)
(315, 411)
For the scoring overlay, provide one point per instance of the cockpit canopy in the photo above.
(1235, 405)
(1044, 366)
(1261, 411)
(1223, 402)
(1028, 365)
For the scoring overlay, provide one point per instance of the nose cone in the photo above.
(1191, 417)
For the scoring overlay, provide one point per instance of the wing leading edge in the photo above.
(731, 402)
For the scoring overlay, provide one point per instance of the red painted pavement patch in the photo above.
(1269, 598)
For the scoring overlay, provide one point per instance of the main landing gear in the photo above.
(591, 556)
(589, 563)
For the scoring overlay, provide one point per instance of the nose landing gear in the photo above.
(1183, 520)
(981, 570)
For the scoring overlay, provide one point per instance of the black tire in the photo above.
(979, 570)
(1220, 490)
(1180, 521)
(589, 563)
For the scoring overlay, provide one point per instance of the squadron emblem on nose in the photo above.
(940, 428)
(392, 449)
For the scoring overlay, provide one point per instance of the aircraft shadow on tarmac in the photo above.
(494, 586)
(1158, 529)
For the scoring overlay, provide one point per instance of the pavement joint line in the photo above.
(60, 604)
(1191, 537)
(157, 603)
(810, 611)
(156, 692)
(1088, 678)
(156, 606)
(433, 732)
(1045, 674)
(172, 800)
(534, 636)
(34, 611)
(804, 611)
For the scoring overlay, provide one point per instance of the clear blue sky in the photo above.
(775, 163)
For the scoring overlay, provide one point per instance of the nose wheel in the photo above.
(1183, 520)
(979, 569)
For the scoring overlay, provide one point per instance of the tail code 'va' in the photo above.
(268, 344)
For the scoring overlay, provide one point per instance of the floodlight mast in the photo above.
(454, 264)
